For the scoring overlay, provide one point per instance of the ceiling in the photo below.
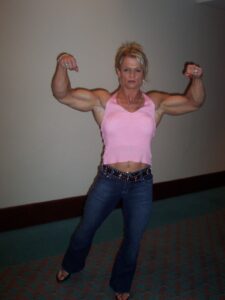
(213, 3)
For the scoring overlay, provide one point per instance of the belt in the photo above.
(129, 177)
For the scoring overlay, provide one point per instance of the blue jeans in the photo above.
(103, 197)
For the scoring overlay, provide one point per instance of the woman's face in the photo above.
(130, 74)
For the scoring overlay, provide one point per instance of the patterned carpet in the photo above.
(184, 260)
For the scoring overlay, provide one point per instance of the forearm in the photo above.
(196, 91)
(60, 82)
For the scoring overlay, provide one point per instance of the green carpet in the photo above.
(182, 255)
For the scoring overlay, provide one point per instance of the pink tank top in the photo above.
(127, 135)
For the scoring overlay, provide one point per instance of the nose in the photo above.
(132, 73)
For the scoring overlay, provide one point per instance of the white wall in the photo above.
(49, 151)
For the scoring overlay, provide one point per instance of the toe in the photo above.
(61, 275)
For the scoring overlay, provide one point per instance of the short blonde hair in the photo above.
(131, 49)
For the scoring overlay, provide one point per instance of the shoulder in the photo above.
(102, 95)
(157, 97)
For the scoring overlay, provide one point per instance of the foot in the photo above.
(122, 296)
(62, 275)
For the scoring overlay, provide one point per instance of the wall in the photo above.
(49, 151)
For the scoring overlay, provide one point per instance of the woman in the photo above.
(128, 119)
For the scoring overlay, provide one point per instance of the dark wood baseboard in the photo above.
(188, 185)
(45, 212)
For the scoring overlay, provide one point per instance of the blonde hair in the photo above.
(131, 49)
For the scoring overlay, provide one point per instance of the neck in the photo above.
(131, 96)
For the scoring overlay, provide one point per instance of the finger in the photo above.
(66, 65)
(197, 71)
(71, 64)
(74, 66)
(193, 71)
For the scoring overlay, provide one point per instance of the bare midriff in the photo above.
(129, 166)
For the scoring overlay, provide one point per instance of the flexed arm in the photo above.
(79, 99)
(195, 91)
(177, 104)
(60, 82)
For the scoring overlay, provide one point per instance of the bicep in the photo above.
(80, 99)
(177, 105)
(172, 104)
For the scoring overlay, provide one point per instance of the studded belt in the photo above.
(129, 177)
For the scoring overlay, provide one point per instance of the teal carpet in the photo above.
(182, 255)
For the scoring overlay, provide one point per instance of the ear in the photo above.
(118, 72)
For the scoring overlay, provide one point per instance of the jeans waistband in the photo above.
(129, 177)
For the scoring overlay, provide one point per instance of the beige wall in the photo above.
(49, 151)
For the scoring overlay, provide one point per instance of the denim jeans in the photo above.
(103, 197)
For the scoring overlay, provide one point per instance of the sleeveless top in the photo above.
(127, 135)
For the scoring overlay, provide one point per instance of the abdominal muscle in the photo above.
(129, 166)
